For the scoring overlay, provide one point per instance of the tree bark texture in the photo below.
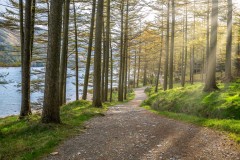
(26, 62)
(97, 56)
(51, 107)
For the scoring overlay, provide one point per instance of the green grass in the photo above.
(15, 64)
(221, 104)
(219, 110)
(30, 139)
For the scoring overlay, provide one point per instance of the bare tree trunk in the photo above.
(48, 9)
(238, 53)
(228, 66)
(129, 71)
(32, 24)
(103, 61)
(161, 52)
(210, 83)
(97, 56)
(139, 58)
(135, 69)
(21, 29)
(167, 49)
(64, 55)
(160, 60)
(182, 66)
(203, 66)
(159, 69)
(172, 47)
(121, 73)
(126, 53)
(51, 109)
(111, 57)
(139, 67)
(193, 50)
(182, 60)
(86, 78)
(76, 49)
(107, 50)
(186, 46)
(208, 37)
(190, 65)
(145, 73)
(25, 105)
(128, 86)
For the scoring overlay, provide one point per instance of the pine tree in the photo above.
(97, 56)
(51, 106)
(210, 83)
(26, 62)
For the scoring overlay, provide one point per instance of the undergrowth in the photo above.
(219, 109)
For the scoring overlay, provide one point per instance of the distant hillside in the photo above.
(9, 47)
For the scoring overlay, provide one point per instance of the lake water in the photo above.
(10, 88)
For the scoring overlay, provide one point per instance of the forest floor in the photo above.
(128, 131)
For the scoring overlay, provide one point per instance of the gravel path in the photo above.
(130, 132)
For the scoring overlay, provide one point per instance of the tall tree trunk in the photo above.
(21, 29)
(33, 24)
(203, 66)
(228, 74)
(139, 58)
(51, 109)
(120, 85)
(103, 61)
(186, 45)
(76, 49)
(210, 83)
(160, 58)
(128, 86)
(193, 49)
(64, 55)
(135, 69)
(159, 67)
(182, 61)
(97, 56)
(126, 53)
(25, 105)
(167, 49)
(208, 38)
(90, 43)
(190, 65)
(48, 10)
(238, 53)
(172, 47)
(145, 73)
(107, 50)
(139, 67)
(111, 57)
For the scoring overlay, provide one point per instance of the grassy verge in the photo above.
(16, 64)
(31, 139)
(218, 110)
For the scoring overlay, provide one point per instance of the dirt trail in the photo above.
(128, 132)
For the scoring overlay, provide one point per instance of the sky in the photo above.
(151, 15)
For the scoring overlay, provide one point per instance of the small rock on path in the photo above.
(129, 132)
